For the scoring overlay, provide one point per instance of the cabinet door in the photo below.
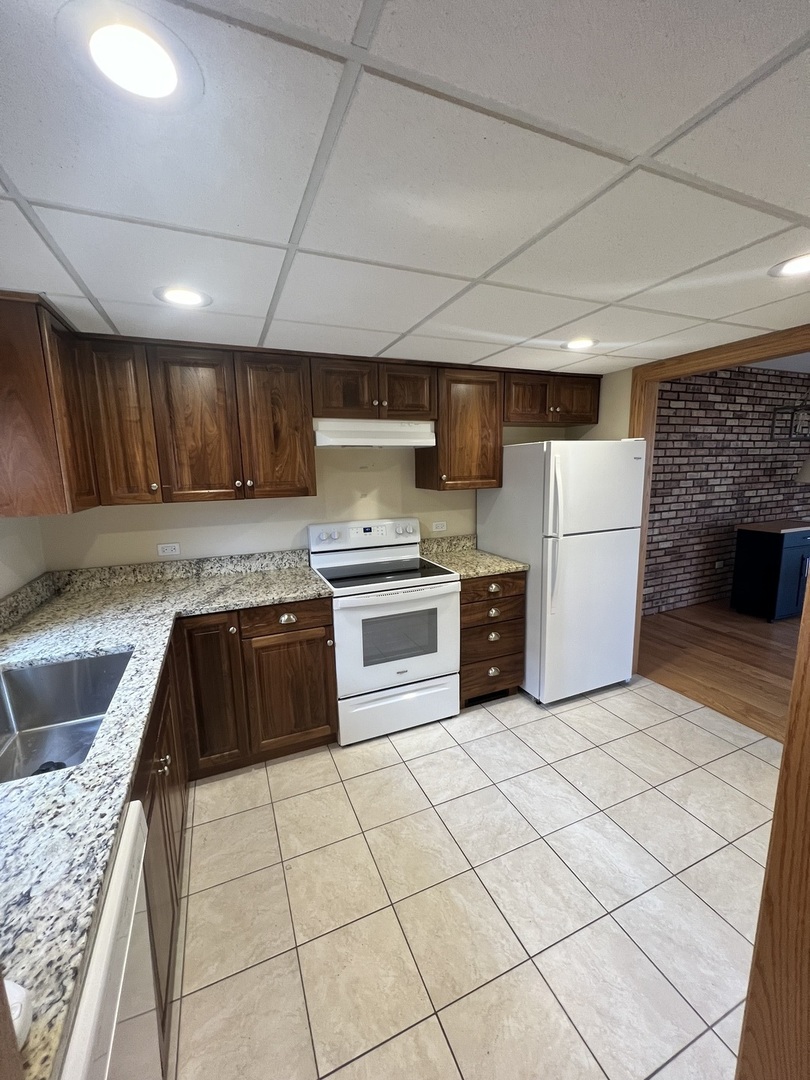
(162, 902)
(576, 399)
(793, 571)
(469, 433)
(124, 428)
(527, 398)
(275, 421)
(407, 392)
(345, 388)
(194, 401)
(211, 693)
(291, 689)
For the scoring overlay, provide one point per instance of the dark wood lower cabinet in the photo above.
(493, 634)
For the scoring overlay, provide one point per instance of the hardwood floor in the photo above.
(737, 664)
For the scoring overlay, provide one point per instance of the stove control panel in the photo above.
(348, 535)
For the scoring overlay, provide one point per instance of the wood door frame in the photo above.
(775, 1042)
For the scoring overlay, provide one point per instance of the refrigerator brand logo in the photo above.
(637, 458)
(403, 672)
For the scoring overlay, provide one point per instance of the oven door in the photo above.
(396, 637)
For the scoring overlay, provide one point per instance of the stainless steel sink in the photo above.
(50, 713)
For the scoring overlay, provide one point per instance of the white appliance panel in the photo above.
(383, 711)
(592, 486)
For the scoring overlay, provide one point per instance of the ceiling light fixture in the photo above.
(791, 267)
(133, 60)
(182, 296)
(579, 344)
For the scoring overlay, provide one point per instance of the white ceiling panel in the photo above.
(530, 359)
(80, 312)
(732, 284)
(316, 337)
(125, 262)
(602, 365)
(626, 72)
(334, 18)
(642, 231)
(417, 181)
(705, 336)
(439, 350)
(343, 293)
(26, 263)
(235, 161)
(204, 325)
(792, 311)
(500, 315)
(613, 329)
(775, 163)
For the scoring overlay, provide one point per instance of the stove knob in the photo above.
(409, 528)
(323, 536)
(399, 530)
(335, 535)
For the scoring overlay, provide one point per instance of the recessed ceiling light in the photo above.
(181, 296)
(791, 267)
(133, 60)
(579, 344)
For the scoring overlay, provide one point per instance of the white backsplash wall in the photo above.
(21, 555)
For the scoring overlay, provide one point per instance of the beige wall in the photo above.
(614, 409)
(21, 555)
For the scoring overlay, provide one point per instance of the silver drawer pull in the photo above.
(494, 587)
(167, 760)
(164, 771)
(493, 671)
(288, 618)
(494, 612)
(494, 636)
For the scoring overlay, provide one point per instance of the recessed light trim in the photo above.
(792, 267)
(182, 296)
(580, 344)
(133, 60)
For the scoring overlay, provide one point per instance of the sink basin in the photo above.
(50, 713)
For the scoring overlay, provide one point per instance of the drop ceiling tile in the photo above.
(705, 336)
(440, 350)
(343, 293)
(759, 142)
(504, 316)
(732, 284)
(334, 18)
(530, 359)
(125, 262)
(792, 311)
(26, 263)
(316, 337)
(602, 365)
(235, 161)
(626, 72)
(418, 181)
(204, 325)
(642, 231)
(614, 328)
(80, 312)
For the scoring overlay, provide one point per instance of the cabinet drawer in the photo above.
(256, 622)
(487, 676)
(493, 587)
(483, 642)
(492, 611)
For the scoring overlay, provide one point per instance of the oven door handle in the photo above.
(421, 593)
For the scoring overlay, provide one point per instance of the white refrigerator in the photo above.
(572, 510)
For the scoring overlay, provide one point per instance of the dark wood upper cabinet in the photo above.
(123, 426)
(194, 402)
(577, 399)
(469, 433)
(275, 421)
(407, 392)
(527, 398)
(345, 388)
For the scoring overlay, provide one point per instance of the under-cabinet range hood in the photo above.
(373, 432)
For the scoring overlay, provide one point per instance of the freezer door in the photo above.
(593, 486)
(588, 612)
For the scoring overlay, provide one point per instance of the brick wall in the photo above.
(716, 466)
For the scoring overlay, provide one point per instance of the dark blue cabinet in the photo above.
(770, 570)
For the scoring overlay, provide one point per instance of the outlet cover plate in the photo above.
(168, 549)
(439, 526)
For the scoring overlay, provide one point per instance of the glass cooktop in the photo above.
(384, 572)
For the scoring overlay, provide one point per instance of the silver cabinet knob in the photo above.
(329, 641)
(494, 636)
(231, 629)
(249, 483)
(385, 403)
(444, 476)
(166, 761)
(494, 587)
(163, 771)
(559, 408)
(375, 402)
(494, 612)
(493, 671)
(153, 487)
(237, 483)
(288, 618)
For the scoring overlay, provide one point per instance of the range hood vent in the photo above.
(374, 432)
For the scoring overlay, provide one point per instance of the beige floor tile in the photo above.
(513, 1029)
(716, 803)
(668, 699)
(730, 1028)
(180, 956)
(690, 740)
(192, 789)
(697, 950)
(218, 796)
(314, 819)
(447, 774)
(472, 724)
(756, 843)
(553, 739)
(546, 799)
(362, 987)
(185, 868)
(136, 1050)
(648, 758)
(516, 710)
(385, 795)
(704, 1059)
(539, 896)
(748, 774)
(225, 1034)
(666, 830)
(364, 757)
(302, 772)
(459, 938)
(767, 750)
(733, 732)
(626, 1011)
(232, 846)
(333, 886)
(485, 824)
(235, 925)
(731, 883)
(421, 1053)
(600, 777)
(608, 692)
(414, 853)
(595, 722)
(418, 741)
(503, 755)
(575, 702)
(608, 861)
(637, 710)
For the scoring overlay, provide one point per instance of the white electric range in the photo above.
(397, 626)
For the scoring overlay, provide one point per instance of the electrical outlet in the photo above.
(439, 526)
(168, 549)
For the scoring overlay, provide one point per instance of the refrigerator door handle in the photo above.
(558, 497)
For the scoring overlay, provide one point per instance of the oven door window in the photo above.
(390, 638)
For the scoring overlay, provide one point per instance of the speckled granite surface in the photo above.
(474, 563)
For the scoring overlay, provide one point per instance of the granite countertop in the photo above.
(472, 564)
